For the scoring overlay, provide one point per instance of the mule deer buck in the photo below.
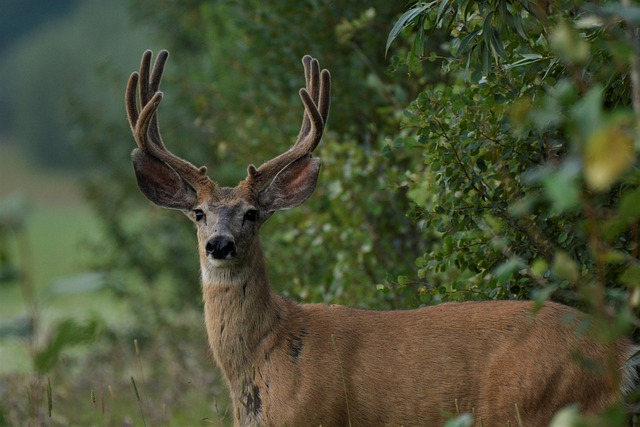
(311, 364)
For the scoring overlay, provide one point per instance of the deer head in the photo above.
(227, 219)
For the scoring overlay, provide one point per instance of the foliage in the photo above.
(530, 158)
(481, 32)
(232, 99)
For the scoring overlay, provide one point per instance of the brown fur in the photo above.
(331, 365)
(310, 365)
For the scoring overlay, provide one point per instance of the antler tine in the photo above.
(144, 124)
(311, 73)
(152, 88)
(132, 105)
(316, 101)
(145, 64)
(316, 98)
(325, 95)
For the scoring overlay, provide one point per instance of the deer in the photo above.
(286, 363)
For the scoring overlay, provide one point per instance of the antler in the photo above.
(316, 97)
(144, 124)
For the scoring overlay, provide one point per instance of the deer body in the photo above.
(310, 365)
(290, 364)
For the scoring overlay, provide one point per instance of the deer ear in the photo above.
(292, 185)
(160, 183)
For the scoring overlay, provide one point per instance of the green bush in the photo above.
(528, 149)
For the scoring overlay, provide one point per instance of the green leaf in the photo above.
(562, 186)
(486, 60)
(526, 4)
(406, 20)
(517, 23)
(609, 153)
(67, 333)
(387, 151)
(587, 113)
(417, 48)
(465, 42)
(527, 59)
(486, 29)
(496, 43)
(631, 276)
(505, 271)
(629, 209)
(441, 10)
(628, 213)
(565, 267)
(486, 34)
(539, 267)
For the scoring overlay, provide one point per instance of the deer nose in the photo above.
(221, 247)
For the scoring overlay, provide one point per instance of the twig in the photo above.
(135, 387)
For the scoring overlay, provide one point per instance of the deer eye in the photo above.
(251, 215)
(198, 214)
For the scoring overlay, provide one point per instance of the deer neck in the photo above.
(240, 313)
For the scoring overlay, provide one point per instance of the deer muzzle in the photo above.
(221, 248)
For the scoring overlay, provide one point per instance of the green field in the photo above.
(56, 250)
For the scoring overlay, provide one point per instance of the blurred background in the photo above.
(475, 150)
(54, 57)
